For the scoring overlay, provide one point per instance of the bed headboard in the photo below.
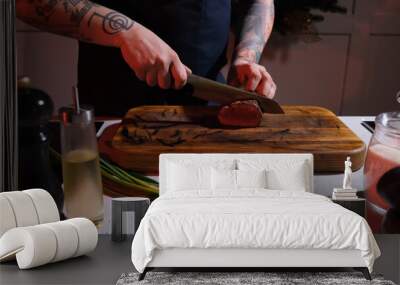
(234, 158)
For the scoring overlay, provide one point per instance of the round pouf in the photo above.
(26, 208)
(41, 244)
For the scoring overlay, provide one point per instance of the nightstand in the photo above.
(356, 205)
(123, 205)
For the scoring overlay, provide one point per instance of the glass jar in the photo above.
(83, 192)
(382, 175)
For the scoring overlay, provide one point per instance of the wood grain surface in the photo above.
(148, 131)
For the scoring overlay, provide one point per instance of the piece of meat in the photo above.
(241, 114)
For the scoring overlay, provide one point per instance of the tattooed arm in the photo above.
(151, 59)
(255, 29)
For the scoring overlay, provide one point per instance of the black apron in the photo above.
(197, 30)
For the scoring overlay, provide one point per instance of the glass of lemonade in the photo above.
(83, 192)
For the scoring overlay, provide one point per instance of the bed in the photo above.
(247, 211)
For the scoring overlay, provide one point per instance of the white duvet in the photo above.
(250, 219)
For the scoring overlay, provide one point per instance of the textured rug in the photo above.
(244, 278)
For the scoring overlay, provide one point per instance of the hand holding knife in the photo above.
(210, 90)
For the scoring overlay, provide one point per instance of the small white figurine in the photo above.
(347, 192)
(347, 174)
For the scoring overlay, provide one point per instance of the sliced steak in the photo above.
(240, 114)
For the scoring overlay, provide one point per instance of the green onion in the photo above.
(119, 181)
(122, 173)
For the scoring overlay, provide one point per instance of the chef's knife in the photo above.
(210, 90)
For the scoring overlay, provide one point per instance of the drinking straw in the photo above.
(76, 99)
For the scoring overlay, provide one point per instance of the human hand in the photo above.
(152, 59)
(252, 76)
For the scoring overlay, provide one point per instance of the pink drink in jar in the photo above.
(382, 175)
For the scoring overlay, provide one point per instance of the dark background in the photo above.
(348, 62)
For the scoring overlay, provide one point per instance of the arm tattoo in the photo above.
(46, 9)
(76, 9)
(113, 22)
(256, 30)
(66, 17)
(77, 13)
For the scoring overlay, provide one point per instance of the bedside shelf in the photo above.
(356, 205)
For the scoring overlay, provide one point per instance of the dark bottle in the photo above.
(35, 108)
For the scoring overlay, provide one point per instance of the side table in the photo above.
(138, 205)
(357, 205)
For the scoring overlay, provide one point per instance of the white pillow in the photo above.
(189, 174)
(287, 174)
(251, 178)
(293, 180)
(227, 179)
(183, 178)
(223, 179)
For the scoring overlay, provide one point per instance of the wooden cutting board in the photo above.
(148, 131)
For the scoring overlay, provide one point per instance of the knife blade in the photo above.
(211, 90)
